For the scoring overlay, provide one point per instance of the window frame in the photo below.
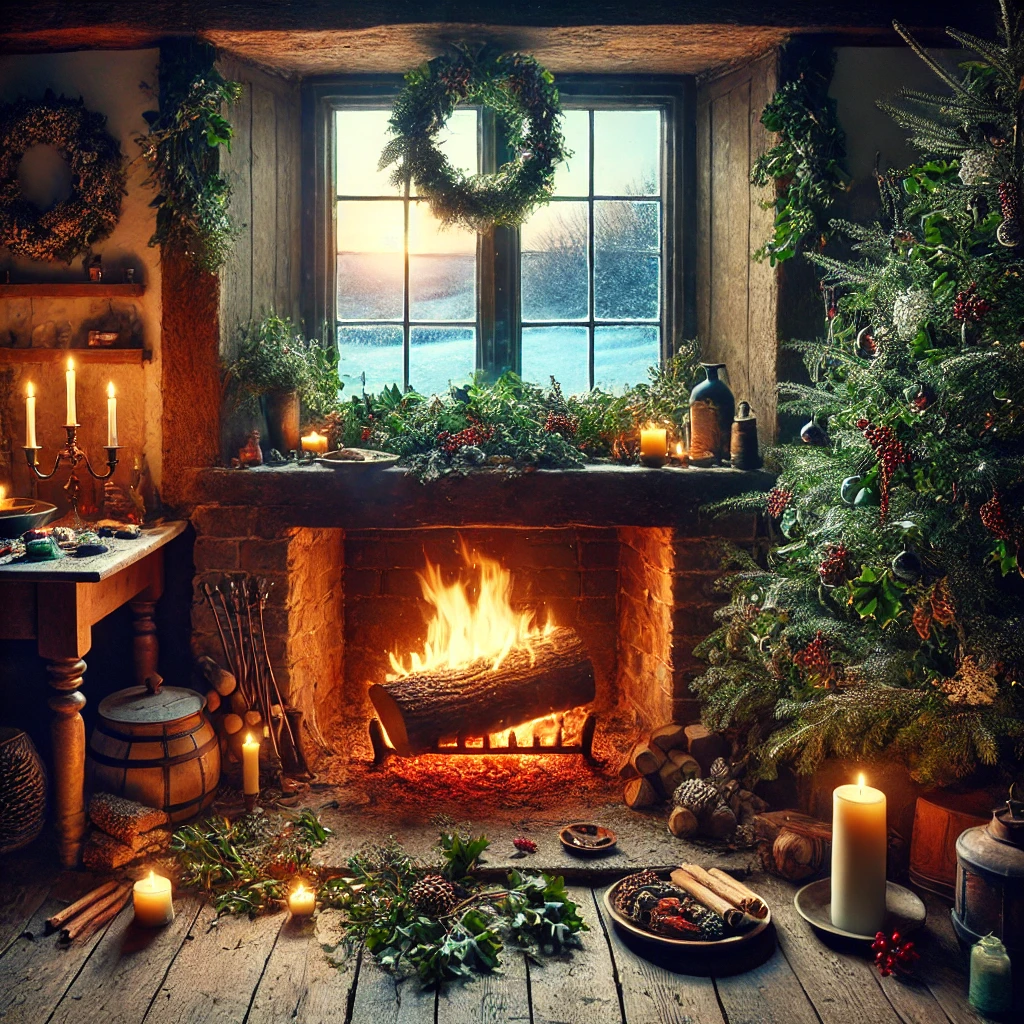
(498, 319)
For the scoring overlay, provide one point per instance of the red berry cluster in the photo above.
(921, 400)
(474, 435)
(816, 660)
(778, 501)
(835, 566)
(892, 953)
(890, 452)
(1009, 200)
(993, 517)
(367, 433)
(560, 423)
(524, 844)
(969, 306)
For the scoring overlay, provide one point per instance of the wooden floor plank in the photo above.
(120, 979)
(214, 976)
(35, 971)
(382, 999)
(303, 982)
(652, 994)
(577, 987)
(498, 998)
(18, 903)
(944, 965)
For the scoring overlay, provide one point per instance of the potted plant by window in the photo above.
(278, 370)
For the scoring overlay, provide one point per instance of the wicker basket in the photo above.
(22, 791)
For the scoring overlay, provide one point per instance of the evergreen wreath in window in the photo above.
(523, 95)
(94, 158)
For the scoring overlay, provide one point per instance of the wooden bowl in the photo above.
(26, 515)
(370, 459)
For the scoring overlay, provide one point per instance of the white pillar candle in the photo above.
(301, 901)
(152, 901)
(251, 765)
(30, 417)
(69, 377)
(111, 417)
(654, 442)
(315, 443)
(859, 847)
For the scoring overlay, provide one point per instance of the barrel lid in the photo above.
(149, 704)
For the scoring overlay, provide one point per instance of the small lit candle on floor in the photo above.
(315, 443)
(859, 849)
(152, 900)
(301, 901)
(69, 378)
(653, 445)
(30, 417)
(251, 769)
(111, 417)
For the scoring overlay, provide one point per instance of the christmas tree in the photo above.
(889, 620)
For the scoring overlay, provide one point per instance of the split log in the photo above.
(669, 737)
(639, 793)
(418, 710)
(647, 759)
(682, 822)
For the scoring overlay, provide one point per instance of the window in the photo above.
(589, 290)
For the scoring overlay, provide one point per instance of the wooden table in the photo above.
(56, 604)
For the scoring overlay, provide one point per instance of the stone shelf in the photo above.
(70, 290)
(601, 495)
(133, 356)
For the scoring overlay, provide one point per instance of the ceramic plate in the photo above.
(729, 942)
(368, 459)
(904, 910)
(587, 837)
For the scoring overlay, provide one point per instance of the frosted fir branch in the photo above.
(994, 54)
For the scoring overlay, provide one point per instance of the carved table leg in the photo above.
(145, 648)
(67, 731)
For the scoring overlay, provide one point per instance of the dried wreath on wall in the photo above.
(89, 214)
(523, 95)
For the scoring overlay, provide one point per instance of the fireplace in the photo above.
(444, 629)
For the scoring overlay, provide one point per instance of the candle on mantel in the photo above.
(151, 898)
(653, 445)
(250, 769)
(111, 417)
(859, 847)
(69, 377)
(301, 901)
(30, 417)
(315, 443)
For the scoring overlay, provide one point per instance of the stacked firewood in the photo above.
(656, 765)
(87, 915)
(124, 831)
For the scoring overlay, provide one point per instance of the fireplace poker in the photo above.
(216, 618)
(240, 668)
(296, 749)
(262, 686)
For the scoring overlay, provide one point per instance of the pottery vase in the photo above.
(282, 411)
(22, 791)
(712, 408)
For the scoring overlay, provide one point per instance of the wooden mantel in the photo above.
(602, 495)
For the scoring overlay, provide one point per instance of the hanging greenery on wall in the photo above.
(805, 166)
(523, 95)
(89, 213)
(181, 151)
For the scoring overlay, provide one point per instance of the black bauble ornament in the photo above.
(812, 433)
(867, 347)
(907, 567)
(849, 489)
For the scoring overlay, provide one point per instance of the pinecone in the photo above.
(816, 660)
(778, 501)
(524, 844)
(993, 517)
(433, 895)
(835, 566)
(698, 796)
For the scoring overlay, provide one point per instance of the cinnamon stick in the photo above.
(732, 916)
(74, 928)
(53, 923)
(726, 887)
(757, 906)
(101, 919)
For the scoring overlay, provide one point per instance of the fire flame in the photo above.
(464, 628)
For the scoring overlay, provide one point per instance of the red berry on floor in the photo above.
(524, 844)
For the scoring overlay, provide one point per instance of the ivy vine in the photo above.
(805, 166)
(181, 151)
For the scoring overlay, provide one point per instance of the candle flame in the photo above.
(248, 737)
(30, 390)
(152, 877)
(860, 782)
(300, 889)
(110, 390)
(71, 363)
(679, 448)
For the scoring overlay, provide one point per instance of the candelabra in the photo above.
(74, 455)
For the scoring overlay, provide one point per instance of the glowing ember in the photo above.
(467, 628)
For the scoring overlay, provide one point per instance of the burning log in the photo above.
(552, 674)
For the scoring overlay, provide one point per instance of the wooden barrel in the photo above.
(155, 744)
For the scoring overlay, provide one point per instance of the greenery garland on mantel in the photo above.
(523, 95)
(89, 214)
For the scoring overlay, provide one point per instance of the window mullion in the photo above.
(591, 234)
(406, 332)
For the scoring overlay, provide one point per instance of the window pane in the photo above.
(439, 356)
(442, 269)
(559, 352)
(371, 264)
(572, 176)
(627, 148)
(457, 140)
(623, 354)
(360, 137)
(554, 263)
(375, 351)
(627, 260)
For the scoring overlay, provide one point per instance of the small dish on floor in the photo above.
(586, 837)
(904, 910)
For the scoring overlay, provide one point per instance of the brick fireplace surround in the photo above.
(623, 555)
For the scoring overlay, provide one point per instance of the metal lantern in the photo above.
(990, 880)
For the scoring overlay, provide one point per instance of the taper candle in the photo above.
(111, 417)
(859, 848)
(301, 901)
(251, 766)
(30, 417)
(151, 898)
(69, 377)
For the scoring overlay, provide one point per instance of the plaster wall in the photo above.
(116, 84)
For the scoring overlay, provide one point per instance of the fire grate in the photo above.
(465, 745)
